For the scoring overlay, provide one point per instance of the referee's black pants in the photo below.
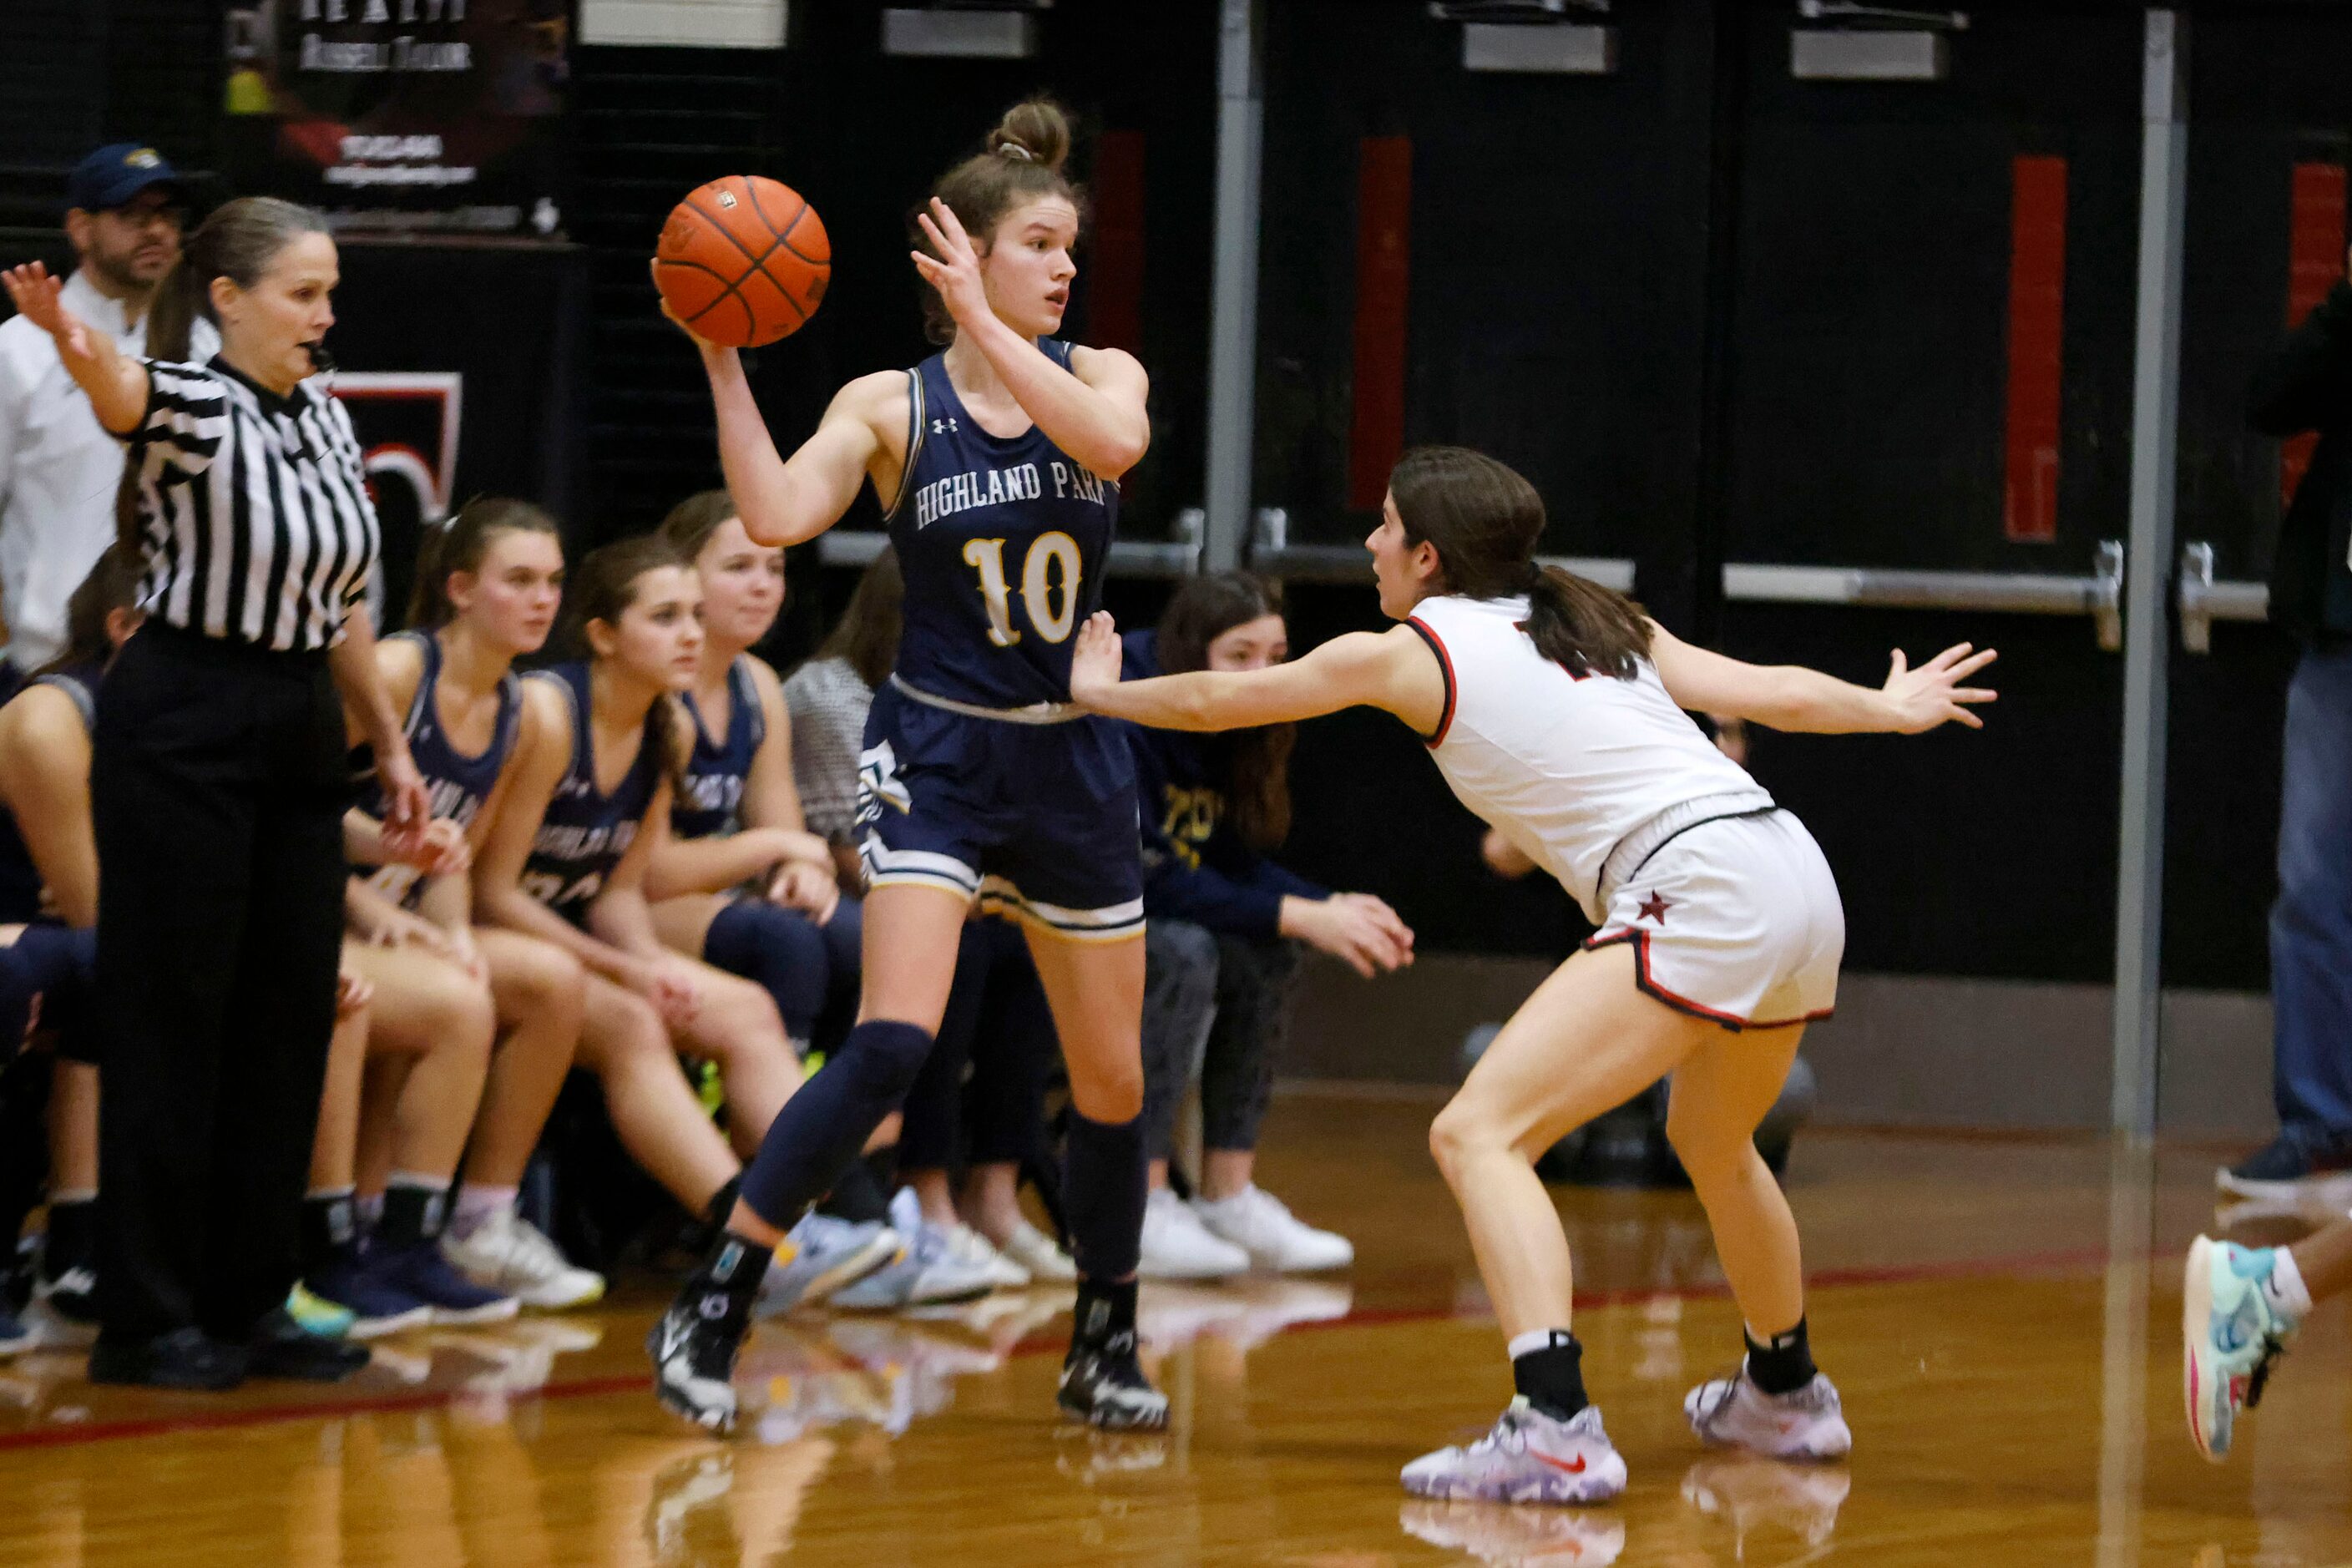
(217, 785)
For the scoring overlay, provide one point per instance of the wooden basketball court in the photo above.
(2001, 1317)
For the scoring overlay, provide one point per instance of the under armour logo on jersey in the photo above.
(942, 427)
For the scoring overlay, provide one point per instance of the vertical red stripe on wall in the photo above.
(2037, 331)
(1383, 230)
(2315, 250)
(1115, 288)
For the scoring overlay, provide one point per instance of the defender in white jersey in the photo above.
(1556, 710)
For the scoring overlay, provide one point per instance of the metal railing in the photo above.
(2098, 596)
(2202, 601)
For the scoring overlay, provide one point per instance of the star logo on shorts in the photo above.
(1654, 908)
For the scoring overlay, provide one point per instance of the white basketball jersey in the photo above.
(1564, 766)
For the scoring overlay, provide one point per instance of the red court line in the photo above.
(80, 1434)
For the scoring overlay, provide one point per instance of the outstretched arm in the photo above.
(1790, 697)
(117, 384)
(1393, 671)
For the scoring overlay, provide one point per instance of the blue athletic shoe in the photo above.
(14, 1335)
(455, 1301)
(377, 1305)
(2230, 1334)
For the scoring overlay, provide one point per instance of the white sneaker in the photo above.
(968, 1245)
(1259, 1224)
(1529, 1457)
(1176, 1245)
(512, 1256)
(1040, 1254)
(927, 1271)
(1733, 1413)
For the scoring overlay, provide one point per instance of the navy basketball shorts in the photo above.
(1035, 821)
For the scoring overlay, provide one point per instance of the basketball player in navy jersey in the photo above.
(48, 882)
(997, 462)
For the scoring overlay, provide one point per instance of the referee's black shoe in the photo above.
(281, 1347)
(184, 1358)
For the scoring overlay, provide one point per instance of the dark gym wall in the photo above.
(1562, 312)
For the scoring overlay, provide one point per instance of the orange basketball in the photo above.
(743, 261)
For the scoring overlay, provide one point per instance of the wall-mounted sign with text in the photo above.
(404, 116)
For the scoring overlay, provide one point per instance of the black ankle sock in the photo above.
(411, 1214)
(882, 1168)
(731, 1271)
(1105, 1308)
(1552, 1378)
(72, 1241)
(722, 1201)
(330, 1228)
(857, 1197)
(1782, 1366)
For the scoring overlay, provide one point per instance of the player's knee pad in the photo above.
(883, 1056)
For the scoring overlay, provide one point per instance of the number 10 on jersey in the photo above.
(1040, 586)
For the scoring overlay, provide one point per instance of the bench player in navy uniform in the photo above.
(489, 584)
(564, 860)
(48, 885)
(998, 463)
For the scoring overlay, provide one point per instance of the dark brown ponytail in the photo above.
(112, 584)
(1485, 521)
(1201, 610)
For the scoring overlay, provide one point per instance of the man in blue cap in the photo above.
(126, 207)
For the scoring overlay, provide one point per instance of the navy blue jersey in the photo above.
(459, 784)
(21, 896)
(710, 800)
(1002, 543)
(585, 832)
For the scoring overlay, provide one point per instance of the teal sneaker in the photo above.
(318, 1315)
(2230, 1334)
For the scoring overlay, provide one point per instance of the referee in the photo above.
(216, 786)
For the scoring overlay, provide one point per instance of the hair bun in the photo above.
(1036, 131)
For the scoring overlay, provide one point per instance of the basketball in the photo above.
(743, 261)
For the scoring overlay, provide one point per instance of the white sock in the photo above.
(476, 1207)
(1536, 1340)
(73, 1196)
(2285, 1289)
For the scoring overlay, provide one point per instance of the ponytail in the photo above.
(1486, 522)
(1587, 628)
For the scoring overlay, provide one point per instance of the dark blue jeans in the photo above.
(2311, 923)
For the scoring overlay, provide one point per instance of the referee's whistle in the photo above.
(322, 360)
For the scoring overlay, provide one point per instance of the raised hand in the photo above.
(1095, 662)
(954, 272)
(1921, 699)
(40, 298)
(696, 338)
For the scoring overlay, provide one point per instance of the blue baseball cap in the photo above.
(110, 176)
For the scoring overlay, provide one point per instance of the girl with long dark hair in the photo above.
(1556, 710)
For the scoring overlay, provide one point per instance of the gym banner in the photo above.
(403, 116)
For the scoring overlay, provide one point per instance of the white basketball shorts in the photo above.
(1737, 921)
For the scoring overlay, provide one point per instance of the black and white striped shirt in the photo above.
(253, 509)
